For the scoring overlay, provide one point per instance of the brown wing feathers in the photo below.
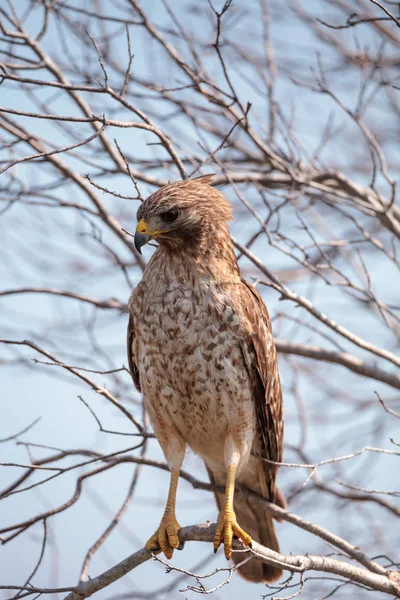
(132, 365)
(268, 396)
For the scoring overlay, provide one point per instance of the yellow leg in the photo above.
(227, 525)
(166, 537)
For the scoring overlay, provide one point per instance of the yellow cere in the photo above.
(142, 227)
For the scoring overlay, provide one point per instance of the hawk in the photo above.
(201, 351)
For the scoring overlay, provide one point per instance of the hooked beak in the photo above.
(142, 235)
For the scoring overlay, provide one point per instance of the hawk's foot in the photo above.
(166, 537)
(227, 527)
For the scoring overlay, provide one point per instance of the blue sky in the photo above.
(44, 248)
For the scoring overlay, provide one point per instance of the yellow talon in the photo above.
(166, 537)
(227, 527)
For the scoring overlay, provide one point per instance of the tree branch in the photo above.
(388, 583)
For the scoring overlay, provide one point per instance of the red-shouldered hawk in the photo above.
(201, 351)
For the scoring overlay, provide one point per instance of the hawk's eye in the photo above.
(170, 215)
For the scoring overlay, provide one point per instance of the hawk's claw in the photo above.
(166, 539)
(227, 529)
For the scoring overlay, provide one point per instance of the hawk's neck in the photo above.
(217, 260)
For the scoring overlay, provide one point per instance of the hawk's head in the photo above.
(186, 215)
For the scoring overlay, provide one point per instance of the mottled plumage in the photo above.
(201, 351)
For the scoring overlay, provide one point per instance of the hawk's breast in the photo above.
(191, 367)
